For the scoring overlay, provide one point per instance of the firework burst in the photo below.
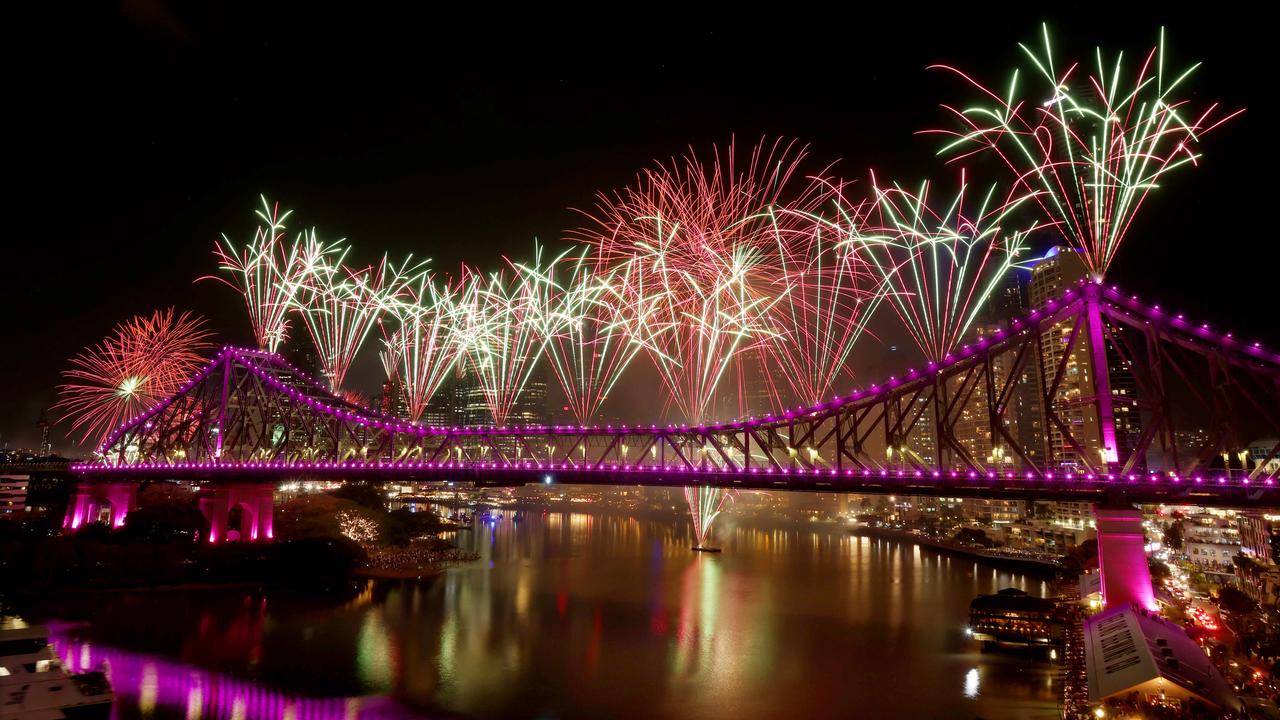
(498, 321)
(701, 238)
(941, 261)
(1092, 146)
(828, 292)
(581, 311)
(420, 354)
(339, 305)
(705, 504)
(263, 272)
(144, 360)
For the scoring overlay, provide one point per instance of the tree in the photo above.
(311, 516)
(1173, 535)
(166, 513)
(364, 494)
(975, 536)
(316, 561)
(403, 525)
(1235, 601)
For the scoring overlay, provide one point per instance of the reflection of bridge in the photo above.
(153, 682)
(1115, 380)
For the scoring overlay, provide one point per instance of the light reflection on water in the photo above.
(585, 615)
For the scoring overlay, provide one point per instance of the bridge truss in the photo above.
(1092, 394)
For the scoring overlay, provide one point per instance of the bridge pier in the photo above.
(257, 511)
(100, 502)
(1122, 558)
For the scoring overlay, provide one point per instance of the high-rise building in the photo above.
(1023, 420)
(1050, 277)
(46, 445)
(746, 389)
(530, 407)
(392, 399)
(13, 494)
(1255, 536)
(299, 349)
(461, 401)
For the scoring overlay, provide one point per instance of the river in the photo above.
(580, 615)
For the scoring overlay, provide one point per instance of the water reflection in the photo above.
(583, 615)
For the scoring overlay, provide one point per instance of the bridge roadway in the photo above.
(1217, 489)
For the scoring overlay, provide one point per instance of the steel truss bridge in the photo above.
(1093, 396)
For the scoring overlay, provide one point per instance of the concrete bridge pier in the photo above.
(100, 502)
(1122, 558)
(257, 511)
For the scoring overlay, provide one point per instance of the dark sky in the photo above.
(143, 130)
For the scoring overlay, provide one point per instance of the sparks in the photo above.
(1096, 147)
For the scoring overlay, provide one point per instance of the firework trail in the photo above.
(1092, 146)
(144, 360)
(705, 505)
(419, 355)
(498, 321)
(339, 305)
(582, 311)
(829, 291)
(263, 272)
(701, 237)
(941, 261)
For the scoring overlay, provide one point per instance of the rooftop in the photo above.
(1130, 650)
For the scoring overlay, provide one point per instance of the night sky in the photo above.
(142, 131)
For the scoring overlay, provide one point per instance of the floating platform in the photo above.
(706, 549)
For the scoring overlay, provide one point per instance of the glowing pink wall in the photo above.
(121, 497)
(1122, 558)
(257, 506)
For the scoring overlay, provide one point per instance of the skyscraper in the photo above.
(46, 445)
(1023, 419)
(1056, 271)
(1052, 275)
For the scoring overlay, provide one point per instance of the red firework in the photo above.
(143, 360)
(736, 266)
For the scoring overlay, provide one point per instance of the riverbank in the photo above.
(1007, 559)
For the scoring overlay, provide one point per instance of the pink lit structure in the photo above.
(249, 419)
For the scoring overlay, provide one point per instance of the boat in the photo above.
(1012, 618)
(35, 684)
(699, 548)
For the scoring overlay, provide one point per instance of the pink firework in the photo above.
(144, 360)
(829, 292)
(701, 237)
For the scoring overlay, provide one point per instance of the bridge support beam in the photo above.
(257, 511)
(1104, 403)
(1122, 558)
(94, 502)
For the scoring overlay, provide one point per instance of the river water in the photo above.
(581, 615)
